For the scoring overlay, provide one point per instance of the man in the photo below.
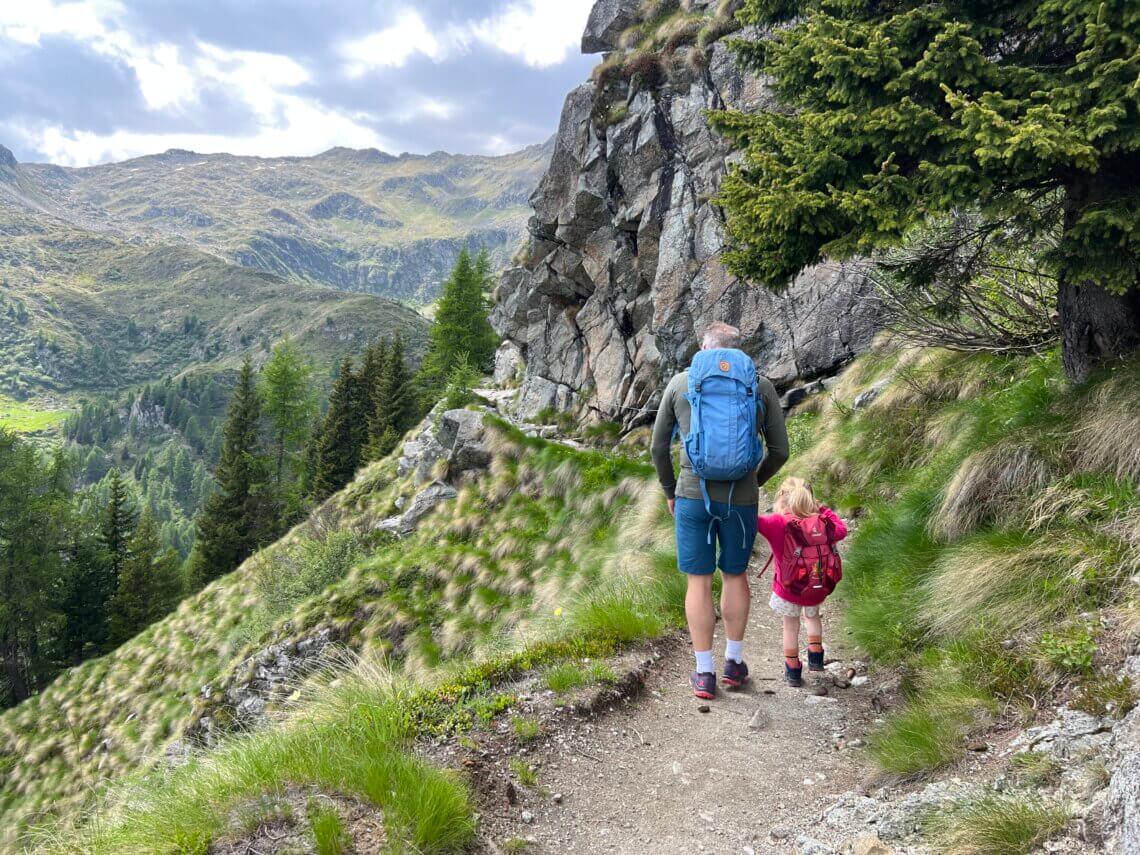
(716, 513)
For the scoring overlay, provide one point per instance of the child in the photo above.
(794, 503)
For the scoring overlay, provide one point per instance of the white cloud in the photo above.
(177, 80)
(393, 46)
(28, 21)
(539, 32)
(304, 128)
(174, 79)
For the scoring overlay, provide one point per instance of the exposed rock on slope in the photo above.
(622, 267)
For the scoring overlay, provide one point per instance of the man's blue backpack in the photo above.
(723, 443)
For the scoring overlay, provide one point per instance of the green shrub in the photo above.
(1034, 769)
(460, 385)
(566, 677)
(928, 733)
(1105, 694)
(1070, 650)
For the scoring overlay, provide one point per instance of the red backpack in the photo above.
(810, 567)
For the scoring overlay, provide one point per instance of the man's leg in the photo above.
(699, 611)
(696, 557)
(735, 601)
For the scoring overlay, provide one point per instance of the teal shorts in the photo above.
(731, 531)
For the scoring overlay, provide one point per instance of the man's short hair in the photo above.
(720, 335)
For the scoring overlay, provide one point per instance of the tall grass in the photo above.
(999, 502)
(353, 739)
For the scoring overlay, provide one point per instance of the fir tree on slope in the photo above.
(117, 528)
(290, 407)
(149, 587)
(393, 404)
(1026, 111)
(35, 506)
(338, 444)
(240, 516)
(461, 326)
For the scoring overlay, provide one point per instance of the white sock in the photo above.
(734, 650)
(705, 663)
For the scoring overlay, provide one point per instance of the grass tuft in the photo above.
(329, 834)
(996, 824)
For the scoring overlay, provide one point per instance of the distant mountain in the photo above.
(355, 220)
(84, 309)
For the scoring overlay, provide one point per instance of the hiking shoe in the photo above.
(735, 673)
(815, 660)
(794, 676)
(704, 685)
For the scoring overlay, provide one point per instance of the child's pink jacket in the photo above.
(773, 527)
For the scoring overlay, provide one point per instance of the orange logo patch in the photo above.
(724, 366)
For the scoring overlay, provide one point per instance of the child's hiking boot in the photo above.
(794, 676)
(815, 660)
(704, 685)
(735, 673)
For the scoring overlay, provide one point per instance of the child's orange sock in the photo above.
(792, 658)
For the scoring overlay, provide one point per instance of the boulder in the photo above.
(424, 503)
(608, 20)
(455, 436)
(508, 363)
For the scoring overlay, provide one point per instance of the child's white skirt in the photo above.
(782, 607)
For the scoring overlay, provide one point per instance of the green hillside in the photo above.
(81, 311)
(530, 537)
(354, 220)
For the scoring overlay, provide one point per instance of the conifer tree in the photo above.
(290, 406)
(338, 448)
(237, 518)
(393, 411)
(150, 585)
(461, 327)
(116, 528)
(1026, 112)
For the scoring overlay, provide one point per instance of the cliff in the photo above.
(622, 267)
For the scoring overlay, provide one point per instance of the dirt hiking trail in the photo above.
(656, 774)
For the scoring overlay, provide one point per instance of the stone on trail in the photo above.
(759, 720)
(870, 844)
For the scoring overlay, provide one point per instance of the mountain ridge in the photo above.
(352, 219)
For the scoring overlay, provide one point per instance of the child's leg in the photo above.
(792, 641)
(814, 625)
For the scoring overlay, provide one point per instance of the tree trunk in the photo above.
(1097, 327)
(13, 671)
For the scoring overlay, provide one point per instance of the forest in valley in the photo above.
(155, 493)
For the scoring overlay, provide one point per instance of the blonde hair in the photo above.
(795, 497)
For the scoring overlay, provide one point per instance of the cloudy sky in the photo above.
(89, 81)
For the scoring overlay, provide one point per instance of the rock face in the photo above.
(7, 159)
(608, 20)
(622, 269)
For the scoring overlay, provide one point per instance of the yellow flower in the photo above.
(558, 612)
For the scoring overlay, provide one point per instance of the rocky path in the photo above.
(663, 775)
